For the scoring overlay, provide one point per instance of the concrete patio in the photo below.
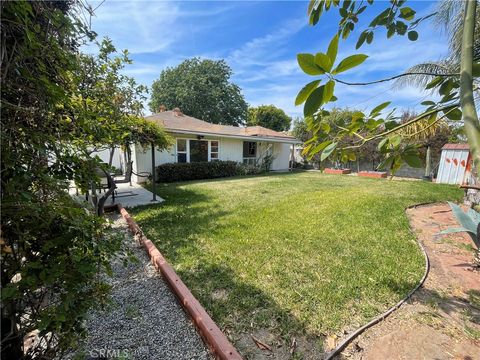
(128, 195)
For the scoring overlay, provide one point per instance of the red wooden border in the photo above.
(206, 327)
(373, 174)
(337, 171)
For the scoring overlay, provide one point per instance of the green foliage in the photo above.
(269, 117)
(469, 222)
(58, 106)
(172, 172)
(300, 130)
(202, 89)
(384, 129)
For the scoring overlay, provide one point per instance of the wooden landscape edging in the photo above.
(373, 174)
(211, 334)
(337, 171)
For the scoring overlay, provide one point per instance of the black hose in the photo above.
(340, 347)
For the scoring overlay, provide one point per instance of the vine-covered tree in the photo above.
(269, 116)
(202, 89)
(455, 89)
(57, 105)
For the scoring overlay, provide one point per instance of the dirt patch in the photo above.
(442, 319)
(251, 345)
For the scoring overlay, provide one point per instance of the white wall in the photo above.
(117, 160)
(281, 153)
(229, 150)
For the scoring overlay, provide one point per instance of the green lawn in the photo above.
(301, 253)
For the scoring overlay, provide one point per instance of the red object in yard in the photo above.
(215, 339)
(337, 171)
(373, 174)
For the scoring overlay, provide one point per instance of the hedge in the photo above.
(172, 172)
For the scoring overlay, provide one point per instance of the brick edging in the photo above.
(211, 334)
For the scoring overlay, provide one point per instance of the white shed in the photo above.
(455, 164)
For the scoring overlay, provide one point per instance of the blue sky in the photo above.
(260, 40)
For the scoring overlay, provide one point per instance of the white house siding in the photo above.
(229, 150)
(281, 153)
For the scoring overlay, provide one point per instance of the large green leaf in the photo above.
(314, 101)
(328, 151)
(318, 148)
(464, 219)
(455, 114)
(376, 110)
(407, 13)
(476, 69)
(412, 35)
(333, 49)
(323, 61)
(328, 92)
(307, 64)
(350, 62)
(306, 90)
(412, 160)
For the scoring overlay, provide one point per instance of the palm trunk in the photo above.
(470, 117)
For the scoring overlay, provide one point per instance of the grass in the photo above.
(301, 253)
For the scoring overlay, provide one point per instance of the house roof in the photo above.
(456, 147)
(181, 123)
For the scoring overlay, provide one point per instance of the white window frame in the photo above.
(216, 152)
(187, 152)
(187, 149)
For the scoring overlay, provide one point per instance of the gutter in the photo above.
(245, 137)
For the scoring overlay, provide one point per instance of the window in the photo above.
(213, 150)
(198, 150)
(249, 152)
(249, 149)
(181, 150)
(190, 150)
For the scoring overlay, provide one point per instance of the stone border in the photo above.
(211, 334)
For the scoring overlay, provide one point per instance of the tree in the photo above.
(456, 89)
(202, 89)
(269, 117)
(300, 130)
(56, 107)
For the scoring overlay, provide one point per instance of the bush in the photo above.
(172, 172)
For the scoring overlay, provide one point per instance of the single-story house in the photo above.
(196, 140)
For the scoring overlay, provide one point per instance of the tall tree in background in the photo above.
(270, 117)
(202, 89)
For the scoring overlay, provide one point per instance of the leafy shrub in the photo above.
(196, 171)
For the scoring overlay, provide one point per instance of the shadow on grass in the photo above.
(239, 177)
(239, 308)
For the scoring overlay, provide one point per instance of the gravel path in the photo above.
(144, 321)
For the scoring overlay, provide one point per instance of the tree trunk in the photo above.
(467, 102)
(110, 159)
